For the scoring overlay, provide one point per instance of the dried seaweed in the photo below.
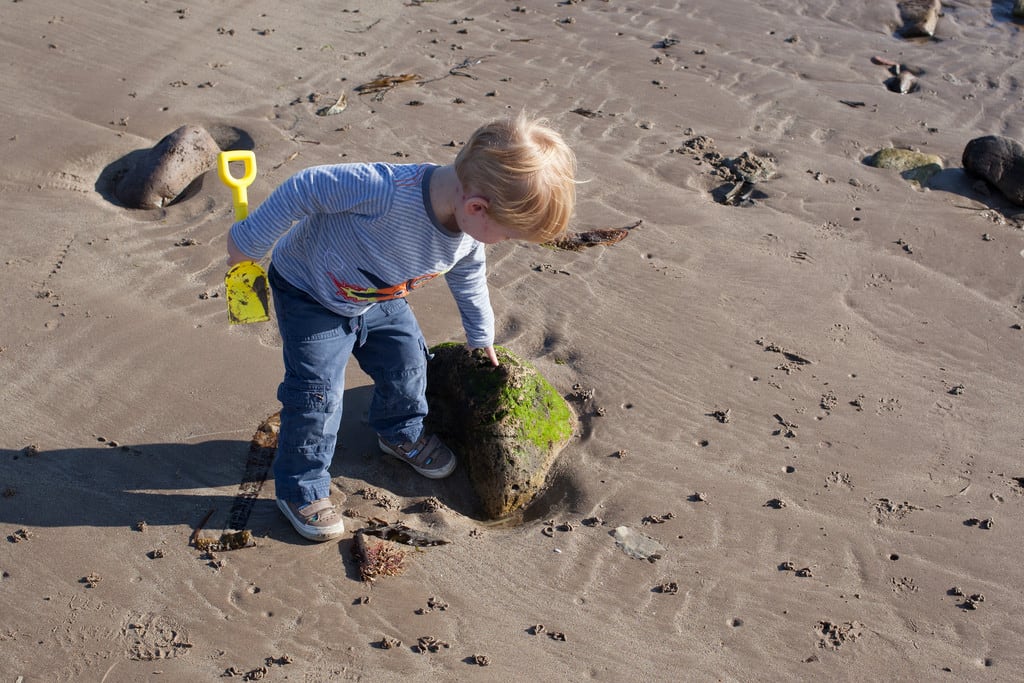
(384, 84)
(229, 540)
(591, 238)
(377, 559)
(397, 532)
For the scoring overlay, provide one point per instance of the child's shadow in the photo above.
(360, 462)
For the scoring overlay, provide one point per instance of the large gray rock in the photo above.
(163, 172)
(506, 424)
(1018, 8)
(1000, 161)
(920, 17)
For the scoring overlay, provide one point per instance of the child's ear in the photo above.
(476, 205)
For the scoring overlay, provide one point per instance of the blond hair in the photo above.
(526, 172)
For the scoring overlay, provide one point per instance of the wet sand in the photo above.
(808, 398)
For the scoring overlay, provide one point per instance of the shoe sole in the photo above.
(429, 474)
(308, 532)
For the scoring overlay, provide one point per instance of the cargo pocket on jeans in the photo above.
(312, 397)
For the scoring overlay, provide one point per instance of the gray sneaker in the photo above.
(317, 521)
(428, 456)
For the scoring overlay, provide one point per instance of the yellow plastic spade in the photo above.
(238, 185)
(246, 283)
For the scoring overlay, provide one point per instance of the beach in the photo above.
(804, 383)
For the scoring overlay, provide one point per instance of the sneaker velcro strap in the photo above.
(316, 507)
(424, 449)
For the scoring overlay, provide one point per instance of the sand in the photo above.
(810, 399)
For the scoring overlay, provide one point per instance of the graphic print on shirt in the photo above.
(381, 291)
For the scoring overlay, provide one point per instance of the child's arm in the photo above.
(315, 190)
(468, 283)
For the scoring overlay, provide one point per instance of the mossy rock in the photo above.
(506, 424)
(914, 166)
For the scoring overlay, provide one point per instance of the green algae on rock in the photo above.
(916, 167)
(507, 424)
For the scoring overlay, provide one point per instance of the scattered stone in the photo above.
(141, 526)
(155, 554)
(998, 160)
(913, 166)
(481, 660)
(787, 566)
(91, 581)
(557, 635)
(162, 173)
(670, 588)
(537, 629)
(506, 423)
(957, 389)
(804, 573)
(30, 450)
(637, 545)
(920, 17)
(775, 503)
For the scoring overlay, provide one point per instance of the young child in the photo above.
(352, 240)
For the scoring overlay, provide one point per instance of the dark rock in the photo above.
(506, 424)
(1000, 161)
(166, 170)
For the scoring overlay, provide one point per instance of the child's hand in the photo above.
(235, 254)
(489, 350)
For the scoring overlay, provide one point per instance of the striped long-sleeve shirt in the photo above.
(351, 235)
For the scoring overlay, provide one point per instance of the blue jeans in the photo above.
(317, 343)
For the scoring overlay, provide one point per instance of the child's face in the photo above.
(474, 221)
